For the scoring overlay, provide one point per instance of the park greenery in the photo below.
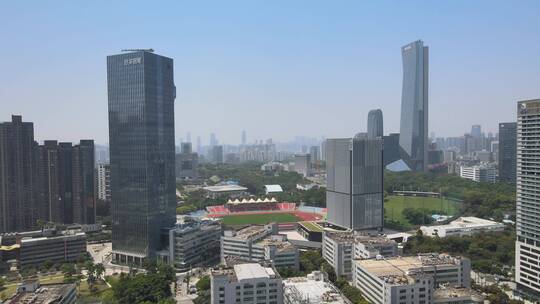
(153, 286)
(489, 252)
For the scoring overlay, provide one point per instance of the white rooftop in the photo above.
(317, 292)
(273, 188)
(225, 188)
(252, 271)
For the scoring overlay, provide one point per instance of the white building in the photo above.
(259, 243)
(411, 280)
(466, 225)
(231, 191)
(479, 173)
(271, 189)
(103, 176)
(246, 283)
(311, 290)
(339, 249)
(527, 272)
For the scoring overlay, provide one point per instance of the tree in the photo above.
(68, 270)
(203, 284)
(47, 264)
(99, 270)
(2, 283)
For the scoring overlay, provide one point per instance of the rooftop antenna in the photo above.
(138, 50)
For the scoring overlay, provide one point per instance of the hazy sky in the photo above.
(274, 68)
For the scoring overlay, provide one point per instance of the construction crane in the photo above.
(138, 50)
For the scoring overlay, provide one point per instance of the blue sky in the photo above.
(277, 69)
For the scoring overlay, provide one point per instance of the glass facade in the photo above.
(413, 139)
(141, 95)
(354, 193)
(375, 124)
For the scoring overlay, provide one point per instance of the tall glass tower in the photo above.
(375, 124)
(141, 95)
(413, 138)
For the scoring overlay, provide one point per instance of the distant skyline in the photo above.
(276, 69)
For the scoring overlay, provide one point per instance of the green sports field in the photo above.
(393, 208)
(252, 219)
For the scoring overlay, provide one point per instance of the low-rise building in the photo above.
(34, 293)
(271, 189)
(246, 283)
(194, 244)
(479, 173)
(339, 249)
(311, 289)
(462, 226)
(409, 279)
(231, 191)
(259, 243)
(56, 249)
(457, 296)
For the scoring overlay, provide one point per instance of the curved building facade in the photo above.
(413, 139)
(375, 124)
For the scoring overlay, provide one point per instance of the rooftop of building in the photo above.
(252, 200)
(225, 188)
(466, 222)
(251, 231)
(44, 294)
(400, 269)
(311, 226)
(273, 188)
(188, 226)
(27, 240)
(457, 293)
(350, 236)
(246, 271)
(280, 242)
(313, 288)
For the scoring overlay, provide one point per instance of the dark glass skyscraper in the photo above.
(354, 193)
(17, 175)
(413, 138)
(507, 151)
(375, 124)
(141, 95)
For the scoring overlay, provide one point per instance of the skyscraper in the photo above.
(213, 140)
(375, 124)
(17, 175)
(507, 151)
(527, 200)
(48, 192)
(141, 95)
(84, 201)
(354, 193)
(413, 138)
(244, 138)
(476, 131)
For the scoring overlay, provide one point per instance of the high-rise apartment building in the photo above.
(375, 124)
(216, 154)
(527, 198)
(244, 138)
(476, 131)
(354, 193)
(413, 138)
(314, 153)
(66, 182)
(507, 152)
(302, 164)
(17, 176)
(141, 95)
(187, 163)
(103, 178)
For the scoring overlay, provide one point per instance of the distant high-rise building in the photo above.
(186, 163)
(354, 193)
(323, 150)
(217, 154)
(476, 131)
(302, 164)
(375, 123)
(315, 155)
(84, 201)
(17, 176)
(103, 177)
(213, 140)
(527, 198)
(199, 144)
(244, 138)
(413, 138)
(507, 151)
(188, 137)
(66, 182)
(141, 95)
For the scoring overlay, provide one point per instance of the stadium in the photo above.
(261, 211)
